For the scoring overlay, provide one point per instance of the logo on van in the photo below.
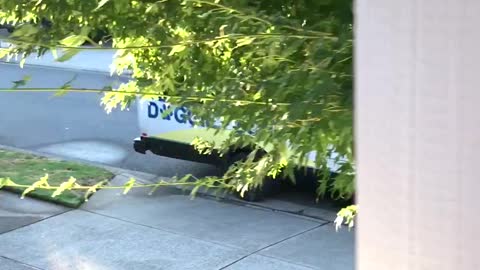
(180, 114)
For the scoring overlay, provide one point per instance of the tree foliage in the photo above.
(280, 67)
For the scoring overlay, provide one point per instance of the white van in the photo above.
(172, 134)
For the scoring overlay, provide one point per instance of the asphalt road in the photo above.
(75, 125)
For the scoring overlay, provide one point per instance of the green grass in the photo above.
(25, 169)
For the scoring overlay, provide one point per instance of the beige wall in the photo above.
(418, 134)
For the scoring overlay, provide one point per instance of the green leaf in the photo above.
(4, 52)
(22, 62)
(22, 82)
(24, 30)
(257, 96)
(244, 189)
(159, 184)
(221, 29)
(67, 55)
(6, 182)
(168, 111)
(244, 41)
(54, 53)
(177, 49)
(60, 93)
(121, 6)
(128, 185)
(64, 186)
(346, 216)
(65, 87)
(152, 8)
(101, 4)
(195, 190)
(43, 182)
(169, 84)
(73, 40)
(94, 189)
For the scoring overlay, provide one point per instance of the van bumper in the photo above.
(140, 146)
(173, 149)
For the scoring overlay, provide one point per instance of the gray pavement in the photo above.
(15, 213)
(9, 264)
(166, 230)
(75, 125)
(258, 229)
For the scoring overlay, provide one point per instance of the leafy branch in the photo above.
(346, 216)
(183, 43)
(237, 102)
(71, 184)
(230, 10)
(283, 68)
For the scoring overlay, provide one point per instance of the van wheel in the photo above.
(268, 187)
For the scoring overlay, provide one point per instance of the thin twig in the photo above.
(184, 43)
(191, 98)
(111, 187)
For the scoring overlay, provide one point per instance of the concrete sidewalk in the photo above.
(164, 231)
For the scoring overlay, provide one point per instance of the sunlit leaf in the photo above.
(101, 4)
(346, 216)
(22, 62)
(128, 186)
(67, 55)
(4, 52)
(22, 82)
(73, 40)
(177, 49)
(195, 190)
(67, 185)
(244, 41)
(243, 190)
(43, 182)
(93, 189)
(65, 87)
(24, 30)
(6, 182)
(257, 96)
(54, 53)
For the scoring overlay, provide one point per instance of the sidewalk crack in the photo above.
(35, 222)
(273, 244)
(22, 263)
(164, 230)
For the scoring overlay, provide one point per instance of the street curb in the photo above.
(151, 178)
(3, 62)
(4, 44)
(16, 63)
(126, 74)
